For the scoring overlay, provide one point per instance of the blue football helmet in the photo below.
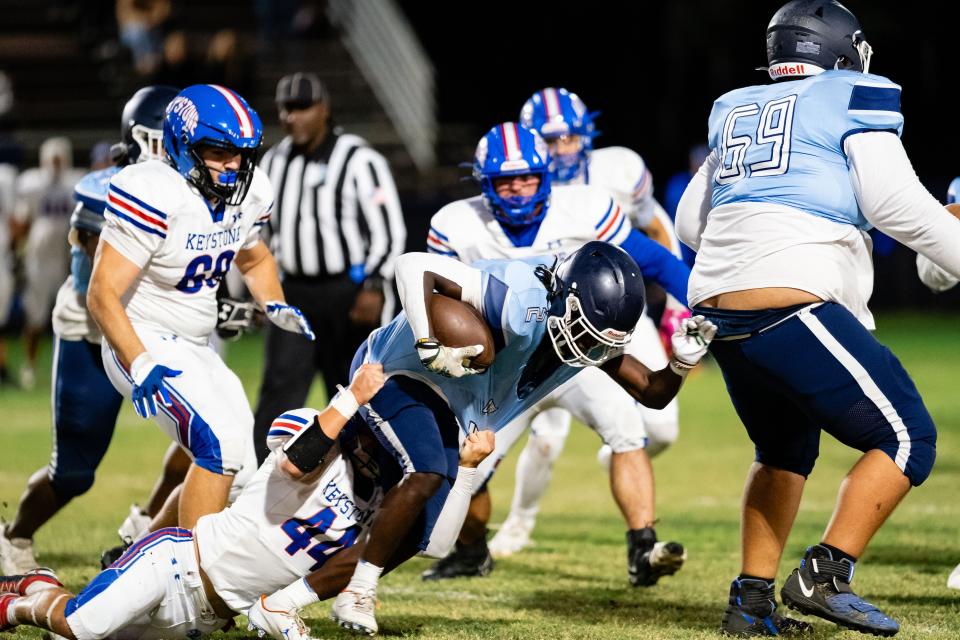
(556, 113)
(953, 191)
(596, 299)
(509, 149)
(141, 124)
(211, 115)
(806, 37)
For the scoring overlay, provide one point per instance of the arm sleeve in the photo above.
(695, 204)
(892, 199)
(380, 205)
(451, 517)
(657, 263)
(134, 227)
(287, 425)
(410, 270)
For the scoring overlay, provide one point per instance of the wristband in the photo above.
(680, 367)
(345, 403)
(141, 366)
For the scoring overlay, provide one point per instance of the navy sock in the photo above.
(747, 576)
(838, 554)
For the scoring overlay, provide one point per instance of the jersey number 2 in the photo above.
(303, 530)
(774, 128)
(203, 270)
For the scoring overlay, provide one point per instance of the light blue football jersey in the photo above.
(515, 307)
(91, 191)
(783, 143)
(953, 191)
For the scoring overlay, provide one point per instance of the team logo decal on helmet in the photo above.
(807, 37)
(508, 150)
(596, 299)
(213, 116)
(558, 113)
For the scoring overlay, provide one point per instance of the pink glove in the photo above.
(673, 315)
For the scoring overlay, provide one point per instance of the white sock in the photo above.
(11, 616)
(365, 577)
(293, 597)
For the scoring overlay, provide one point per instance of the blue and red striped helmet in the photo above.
(208, 114)
(557, 112)
(510, 149)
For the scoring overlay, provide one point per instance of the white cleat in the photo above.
(28, 378)
(513, 537)
(135, 525)
(953, 582)
(279, 625)
(16, 555)
(354, 610)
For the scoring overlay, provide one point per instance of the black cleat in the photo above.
(821, 587)
(752, 611)
(112, 554)
(464, 561)
(649, 560)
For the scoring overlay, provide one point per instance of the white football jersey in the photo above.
(281, 529)
(576, 214)
(622, 173)
(162, 224)
(46, 201)
(71, 320)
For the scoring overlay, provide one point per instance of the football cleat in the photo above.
(752, 611)
(112, 554)
(16, 555)
(135, 525)
(649, 560)
(821, 587)
(279, 625)
(30, 582)
(953, 582)
(5, 600)
(513, 537)
(465, 561)
(354, 610)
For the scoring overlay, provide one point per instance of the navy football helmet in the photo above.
(806, 37)
(557, 113)
(141, 124)
(596, 299)
(211, 115)
(506, 150)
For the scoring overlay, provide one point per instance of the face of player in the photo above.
(522, 186)
(305, 124)
(565, 145)
(220, 161)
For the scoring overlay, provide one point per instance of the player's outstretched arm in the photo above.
(262, 278)
(305, 452)
(656, 389)
(935, 277)
(476, 447)
(418, 276)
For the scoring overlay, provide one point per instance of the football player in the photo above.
(313, 497)
(520, 213)
(44, 204)
(85, 403)
(8, 181)
(547, 322)
(173, 229)
(784, 270)
(569, 128)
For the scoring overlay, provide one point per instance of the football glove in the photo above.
(450, 362)
(690, 343)
(148, 377)
(234, 317)
(289, 318)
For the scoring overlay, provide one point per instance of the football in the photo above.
(457, 324)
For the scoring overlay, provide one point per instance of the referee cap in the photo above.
(301, 90)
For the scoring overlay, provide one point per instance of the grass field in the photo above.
(573, 584)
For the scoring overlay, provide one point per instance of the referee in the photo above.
(336, 230)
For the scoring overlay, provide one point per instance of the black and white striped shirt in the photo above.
(336, 210)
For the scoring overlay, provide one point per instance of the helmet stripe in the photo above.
(511, 141)
(551, 103)
(246, 126)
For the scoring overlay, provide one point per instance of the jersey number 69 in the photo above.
(204, 270)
